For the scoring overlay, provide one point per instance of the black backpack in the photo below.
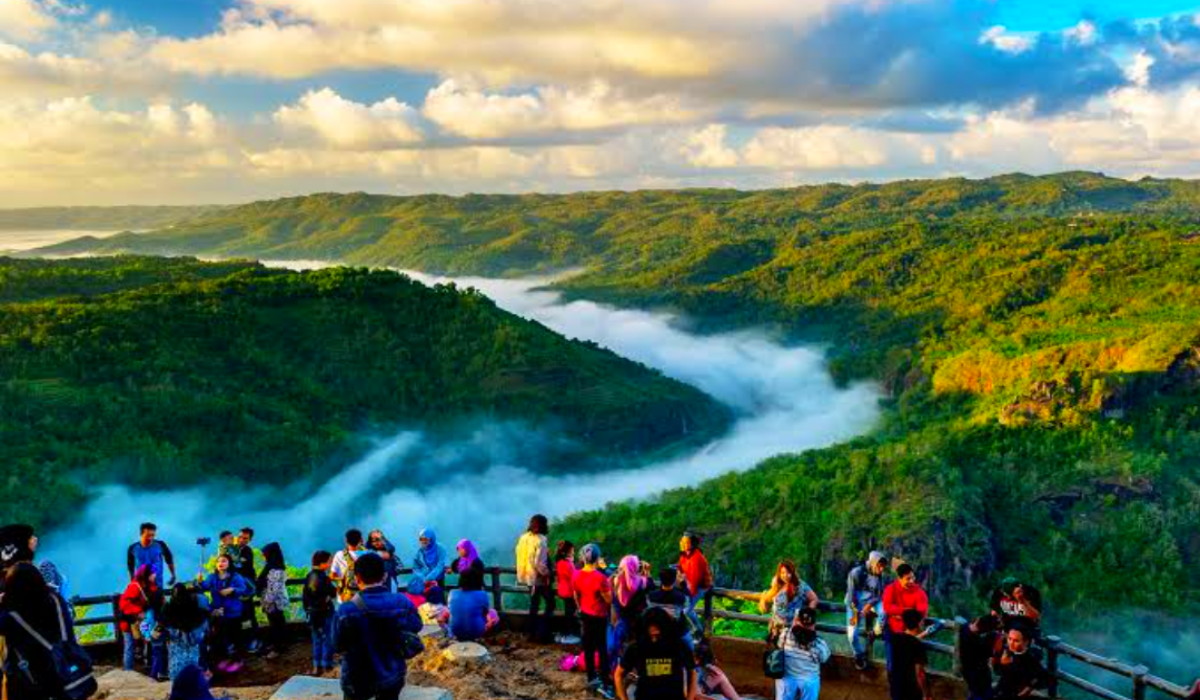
(70, 665)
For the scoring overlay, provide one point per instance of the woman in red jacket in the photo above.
(135, 605)
(697, 574)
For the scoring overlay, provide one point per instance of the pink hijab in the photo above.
(628, 579)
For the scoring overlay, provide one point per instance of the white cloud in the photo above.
(468, 111)
(24, 19)
(347, 124)
(1005, 40)
(705, 148)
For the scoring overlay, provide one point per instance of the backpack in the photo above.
(348, 584)
(411, 645)
(71, 666)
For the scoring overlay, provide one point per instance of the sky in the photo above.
(224, 101)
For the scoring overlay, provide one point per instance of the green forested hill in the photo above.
(99, 218)
(162, 372)
(1038, 338)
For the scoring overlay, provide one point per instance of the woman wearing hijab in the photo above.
(630, 588)
(429, 563)
(468, 561)
(184, 624)
(272, 582)
(29, 604)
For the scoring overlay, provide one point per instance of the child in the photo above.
(564, 575)
(318, 601)
(184, 624)
(226, 588)
(593, 597)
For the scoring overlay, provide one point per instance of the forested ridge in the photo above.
(1038, 339)
(98, 218)
(171, 372)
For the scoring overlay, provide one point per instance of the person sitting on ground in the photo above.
(226, 589)
(184, 624)
(787, 594)
(29, 606)
(711, 681)
(152, 552)
(696, 573)
(902, 594)
(467, 559)
(1018, 666)
(318, 600)
(803, 654)
(1018, 603)
(864, 592)
(976, 645)
(379, 543)
(664, 665)
(906, 675)
(136, 607)
(342, 568)
(469, 610)
(434, 610)
(430, 560)
(192, 684)
(593, 597)
(369, 626)
(533, 570)
(564, 575)
(272, 584)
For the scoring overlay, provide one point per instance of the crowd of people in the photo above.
(368, 606)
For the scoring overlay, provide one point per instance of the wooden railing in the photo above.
(1139, 676)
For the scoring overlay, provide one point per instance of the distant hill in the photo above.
(171, 372)
(502, 235)
(99, 218)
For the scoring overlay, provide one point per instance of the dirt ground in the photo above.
(517, 671)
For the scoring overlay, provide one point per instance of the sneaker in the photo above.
(255, 645)
(594, 684)
(860, 662)
(607, 691)
(233, 667)
(223, 667)
(568, 639)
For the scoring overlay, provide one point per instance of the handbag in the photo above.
(411, 645)
(773, 661)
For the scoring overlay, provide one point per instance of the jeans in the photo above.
(595, 642)
(798, 688)
(158, 659)
(539, 625)
(855, 633)
(322, 641)
(130, 649)
(693, 601)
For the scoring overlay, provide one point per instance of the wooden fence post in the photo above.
(708, 613)
(1052, 665)
(1139, 682)
(116, 611)
(497, 595)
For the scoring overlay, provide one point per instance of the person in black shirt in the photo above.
(243, 564)
(906, 676)
(976, 645)
(1017, 603)
(1018, 666)
(663, 664)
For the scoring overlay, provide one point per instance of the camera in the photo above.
(203, 541)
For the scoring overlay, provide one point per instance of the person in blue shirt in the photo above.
(152, 552)
(227, 588)
(369, 633)
(469, 608)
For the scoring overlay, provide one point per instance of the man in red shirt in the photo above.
(902, 594)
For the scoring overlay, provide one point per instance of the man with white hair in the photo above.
(864, 591)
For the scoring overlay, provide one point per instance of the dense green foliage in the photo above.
(1036, 336)
(98, 218)
(166, 372)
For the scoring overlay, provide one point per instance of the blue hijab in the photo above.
(431, 557)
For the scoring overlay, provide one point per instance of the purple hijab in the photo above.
(629, 579)
(471, 556)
